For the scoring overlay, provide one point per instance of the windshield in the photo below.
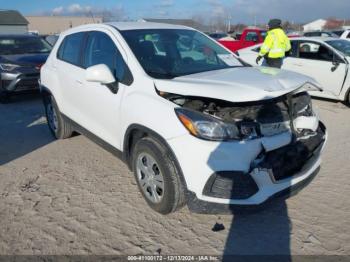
(168, 53)
(23, 45)
(338, 33)
(341, 45)
(332, 35)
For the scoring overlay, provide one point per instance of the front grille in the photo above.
(27, 84)
(289, 160)
(32, 75)
(230, 185)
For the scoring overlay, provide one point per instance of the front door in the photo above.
(316, 60)
(100, 103)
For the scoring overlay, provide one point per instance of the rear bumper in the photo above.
(17, 82)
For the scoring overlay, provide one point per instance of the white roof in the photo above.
(317, 38)
(314, 38)
(144, 25)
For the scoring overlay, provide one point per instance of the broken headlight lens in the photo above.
(207, 127)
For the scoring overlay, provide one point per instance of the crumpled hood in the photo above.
(241, 84)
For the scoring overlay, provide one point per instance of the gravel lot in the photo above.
(72, 197)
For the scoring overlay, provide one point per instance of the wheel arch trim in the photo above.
(149, 132)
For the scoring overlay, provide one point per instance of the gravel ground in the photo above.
(72, 197)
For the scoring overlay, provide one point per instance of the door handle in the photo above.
(296, 64)
(78, 82)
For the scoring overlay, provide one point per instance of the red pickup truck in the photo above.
(249, 37)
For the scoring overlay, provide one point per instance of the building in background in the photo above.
(316, 25)
(12, 22)
(327, 24)
(49, 25)
(184, 22)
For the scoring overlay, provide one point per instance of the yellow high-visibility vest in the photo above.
(276, 44)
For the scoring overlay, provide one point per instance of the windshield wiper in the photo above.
(165, 75)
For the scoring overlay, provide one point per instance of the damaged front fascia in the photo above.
(267, 115)
(289, 160)
(282, 162)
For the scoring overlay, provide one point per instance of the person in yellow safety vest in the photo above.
(275, 46)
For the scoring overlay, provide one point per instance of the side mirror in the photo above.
(102, 74)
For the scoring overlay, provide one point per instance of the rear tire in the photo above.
(347, 100)
(59, 128)
(157, 176)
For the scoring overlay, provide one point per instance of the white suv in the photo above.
(195, 124)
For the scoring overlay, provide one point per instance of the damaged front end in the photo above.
(289, 118)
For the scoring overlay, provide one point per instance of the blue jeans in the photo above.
(273, 62)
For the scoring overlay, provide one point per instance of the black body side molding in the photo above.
(114, 151)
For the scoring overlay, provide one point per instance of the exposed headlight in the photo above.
(207, 127)
(8, 67)
(302, 105)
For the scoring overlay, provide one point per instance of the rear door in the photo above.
(70, 73)
(316, 60)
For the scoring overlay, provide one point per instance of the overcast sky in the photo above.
(245, 11)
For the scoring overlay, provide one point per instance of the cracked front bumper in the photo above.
(240, 157)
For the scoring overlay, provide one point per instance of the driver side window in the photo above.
(314, 51)
(100, 49)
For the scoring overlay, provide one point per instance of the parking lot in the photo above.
(72, 197)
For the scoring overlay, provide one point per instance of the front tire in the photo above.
(157, 176)
(347, 100)
(59, 128)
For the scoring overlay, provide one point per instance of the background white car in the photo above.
(324, 59)
(343, 34)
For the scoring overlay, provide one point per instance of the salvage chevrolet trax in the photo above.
(196, 125)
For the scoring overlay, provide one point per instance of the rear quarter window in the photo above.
(70, 49)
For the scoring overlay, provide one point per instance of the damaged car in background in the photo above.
(195, 124)
(21, 57)
(325, 59)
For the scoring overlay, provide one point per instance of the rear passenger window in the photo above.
(69, 50)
